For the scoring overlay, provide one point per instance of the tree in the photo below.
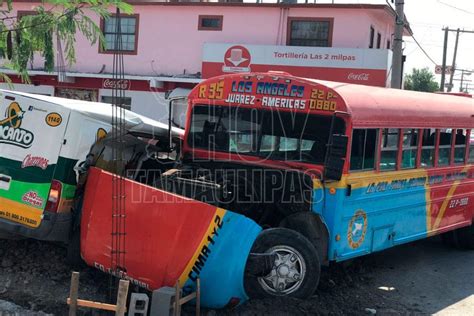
(421, 80)
(54, 21)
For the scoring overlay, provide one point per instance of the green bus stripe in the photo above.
(65, 171)
(62, 171)
(18, 189)
(68, 191)
(13, 169)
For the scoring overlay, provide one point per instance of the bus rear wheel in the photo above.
(462, 238)
(465, 237)
(294, 270)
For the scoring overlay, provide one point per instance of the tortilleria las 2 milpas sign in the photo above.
(352, 65)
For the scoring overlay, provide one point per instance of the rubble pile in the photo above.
(34, 276)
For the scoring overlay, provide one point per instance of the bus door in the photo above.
(31, 135)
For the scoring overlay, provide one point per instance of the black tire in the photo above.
(450, 239)
(465, 237)
(73, 257)
(303, 258)
(461, 238)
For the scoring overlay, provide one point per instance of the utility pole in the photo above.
(463, 73)
(445, 48)
(396, 81)
(454, 61)
(443, 67)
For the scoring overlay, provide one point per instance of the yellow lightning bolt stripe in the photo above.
(444, 206)
(428, 208)
(204, 241)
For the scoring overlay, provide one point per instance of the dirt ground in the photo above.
(420, 278)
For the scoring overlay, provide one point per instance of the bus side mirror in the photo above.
(336, 154)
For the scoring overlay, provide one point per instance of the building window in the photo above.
(388, 44)
(77, 94)
(371, 39)
(210, 22)
(364, 143)
(21, 14)
(444, 152)
(310, 32)
(127, 102)
(409, 148)
(389, 149)
(379, 40)
(129, 30)
(428, 147)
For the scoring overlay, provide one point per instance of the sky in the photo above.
(427, 19)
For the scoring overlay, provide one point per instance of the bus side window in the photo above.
(471, 147)
(428, 147)
(444, 152)
(410, 148)
(364, 142)
(389, 149)
(460, 146)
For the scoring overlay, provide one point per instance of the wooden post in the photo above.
(73, 293)
(177, 298)
(122, 298)
(120, 308)
(179, 301)
(198, 297)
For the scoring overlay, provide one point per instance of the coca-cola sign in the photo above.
(358, 77)
(122, 84)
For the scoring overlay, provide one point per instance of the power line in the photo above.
(423, 50)
(454, 7)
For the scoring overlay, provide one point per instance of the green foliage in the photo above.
(54, 21)
(421, 80)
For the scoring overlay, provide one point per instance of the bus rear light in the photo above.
(54, 196)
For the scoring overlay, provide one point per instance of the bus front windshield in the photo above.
(270, 134)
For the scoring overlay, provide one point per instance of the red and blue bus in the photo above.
(302, 173)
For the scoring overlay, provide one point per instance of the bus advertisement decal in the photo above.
(10, 128)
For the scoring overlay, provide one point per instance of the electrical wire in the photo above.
(423, 50)
(454, 7)
(416, 41)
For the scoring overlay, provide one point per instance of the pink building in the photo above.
(169, 46)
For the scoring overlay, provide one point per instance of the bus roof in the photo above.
(103, 112)
(375, 106)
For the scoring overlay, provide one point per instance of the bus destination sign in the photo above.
(271, 94)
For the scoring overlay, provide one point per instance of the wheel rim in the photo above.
(287, 273)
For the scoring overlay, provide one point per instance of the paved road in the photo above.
(427, 276)
(420, 278)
